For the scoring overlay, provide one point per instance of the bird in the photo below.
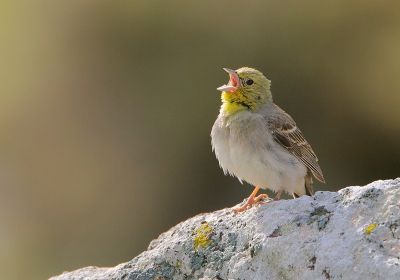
(258, 142)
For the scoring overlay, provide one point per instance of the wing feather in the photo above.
(289, 136)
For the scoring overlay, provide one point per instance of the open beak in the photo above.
(233, 84)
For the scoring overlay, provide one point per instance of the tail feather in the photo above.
(307, 184)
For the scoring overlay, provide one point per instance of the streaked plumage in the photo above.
(258, 142)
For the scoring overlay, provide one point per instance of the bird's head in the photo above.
(247, 89)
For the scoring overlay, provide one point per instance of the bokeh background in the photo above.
(106, 109)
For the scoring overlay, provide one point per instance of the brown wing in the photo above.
(289, 136)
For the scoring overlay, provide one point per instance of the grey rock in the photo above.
(351, 234)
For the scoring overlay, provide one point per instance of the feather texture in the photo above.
(286, 132)
(258, 142)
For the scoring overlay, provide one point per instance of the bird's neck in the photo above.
(235, 103)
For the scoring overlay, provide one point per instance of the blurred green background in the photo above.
(106, 110)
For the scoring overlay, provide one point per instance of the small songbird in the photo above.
(258, 142)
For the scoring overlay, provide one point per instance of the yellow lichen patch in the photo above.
(202, 236)
(177, 265)
(370, 228)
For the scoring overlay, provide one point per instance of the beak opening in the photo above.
(233, 84)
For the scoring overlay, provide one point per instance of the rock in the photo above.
(350, 234)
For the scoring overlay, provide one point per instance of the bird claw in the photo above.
(252, 200)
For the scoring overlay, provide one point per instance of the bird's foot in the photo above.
(278, 195)
(251, 200)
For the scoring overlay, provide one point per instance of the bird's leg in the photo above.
(251, 200)
(278, 196)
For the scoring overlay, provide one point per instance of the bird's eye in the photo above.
(249, 82)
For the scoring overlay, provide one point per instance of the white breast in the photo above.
(246, 149)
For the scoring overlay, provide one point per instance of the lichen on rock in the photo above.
(202, 236)
(350, 234)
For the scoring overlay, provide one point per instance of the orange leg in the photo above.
(251, 200)
(278, 196)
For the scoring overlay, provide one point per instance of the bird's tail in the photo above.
(307, 184)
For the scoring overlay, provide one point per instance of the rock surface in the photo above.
(350, 234)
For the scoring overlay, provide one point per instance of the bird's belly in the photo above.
(254, 156)
(268, 169)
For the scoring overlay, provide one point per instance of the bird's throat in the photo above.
(233, 102)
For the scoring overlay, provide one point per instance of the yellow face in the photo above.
(247, 89)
